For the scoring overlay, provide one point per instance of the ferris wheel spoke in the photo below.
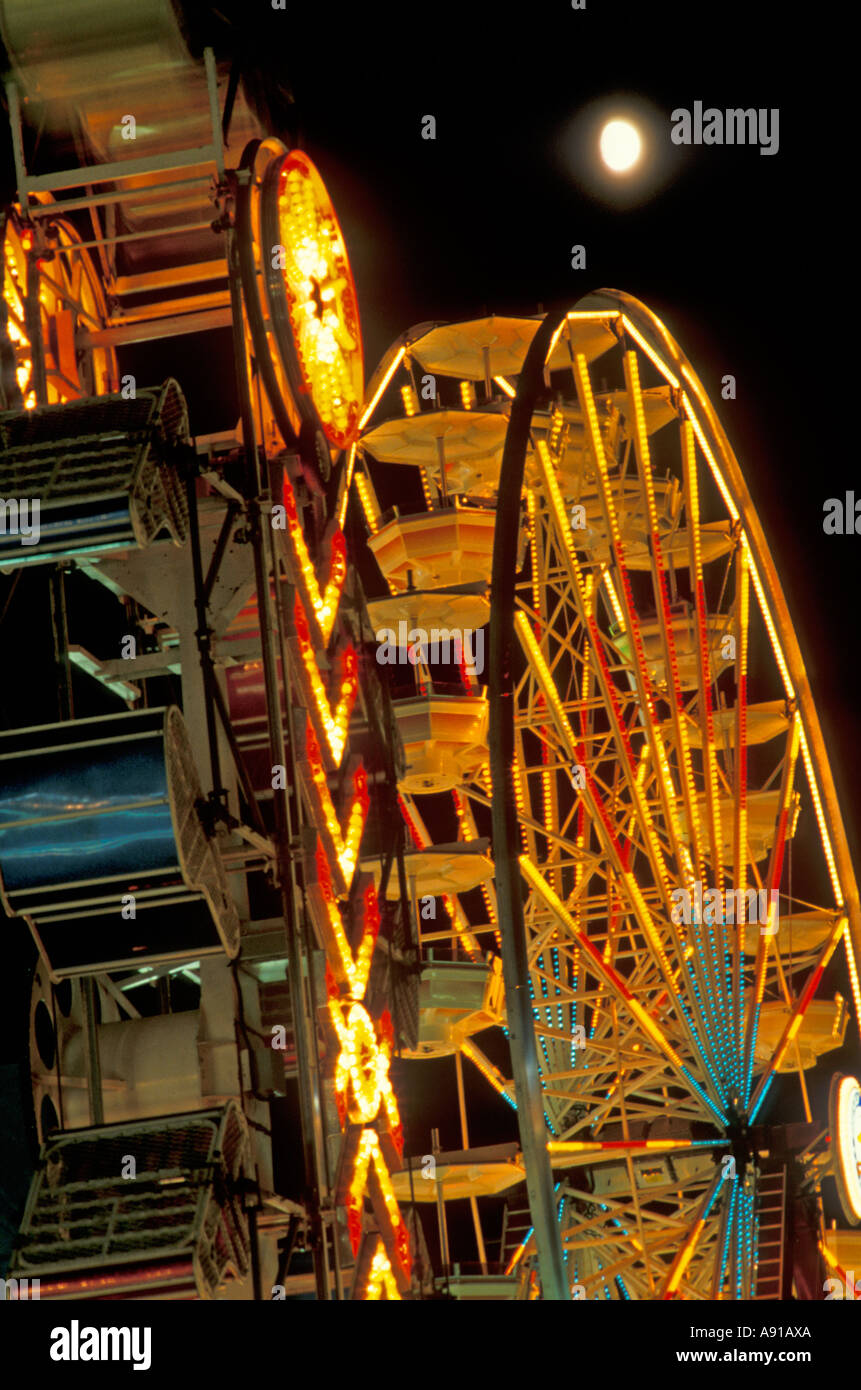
(703, 665)
(662, 606)
(618, 985)
(632, 623)
(704, 677)
(581, 1152)
(685, 1254)
(775, 867)
(602, 672)
(740, 845)
(796, 1017)
(691, 1016)
(631, 1248)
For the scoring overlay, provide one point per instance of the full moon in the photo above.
(620, 146)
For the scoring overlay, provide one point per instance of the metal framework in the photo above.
(214, 547)
(644, 799)
(627, 825)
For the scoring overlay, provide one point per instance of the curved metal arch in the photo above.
(521, 1026)
(671, 361)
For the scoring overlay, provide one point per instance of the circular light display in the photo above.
(845, 1118)
(70, 298)
(311, 275)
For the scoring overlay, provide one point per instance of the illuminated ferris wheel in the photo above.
(669, 875)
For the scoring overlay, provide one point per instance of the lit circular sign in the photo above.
(320, 297)
(845, 1119)
(300, 301)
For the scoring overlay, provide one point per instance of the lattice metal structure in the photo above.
(106, 473)
(148, 1210)
(189, 844)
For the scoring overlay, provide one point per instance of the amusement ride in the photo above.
(458, 714)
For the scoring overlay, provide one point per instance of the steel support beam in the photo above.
(509, 887)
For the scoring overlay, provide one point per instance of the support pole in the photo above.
(509, 888)
(91, 1051)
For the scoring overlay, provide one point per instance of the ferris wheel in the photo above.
(669, 875)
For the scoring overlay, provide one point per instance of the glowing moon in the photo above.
(620, 146)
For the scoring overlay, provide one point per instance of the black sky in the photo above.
(743, 255)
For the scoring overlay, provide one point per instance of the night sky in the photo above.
(742, 255)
